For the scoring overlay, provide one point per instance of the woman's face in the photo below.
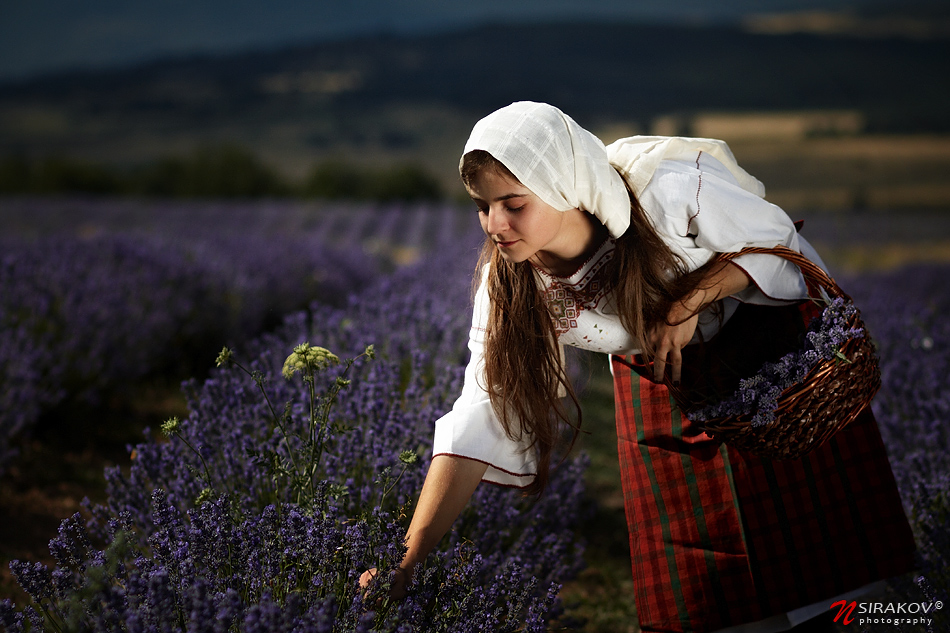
(521, 225)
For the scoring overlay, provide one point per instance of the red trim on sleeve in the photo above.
(698, 189)
(489, 464)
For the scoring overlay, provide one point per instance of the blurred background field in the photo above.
(829, 119)
(157, 208)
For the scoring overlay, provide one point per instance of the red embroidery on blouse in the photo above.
(698, 189)
(566, 300)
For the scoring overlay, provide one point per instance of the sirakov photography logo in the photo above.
(865, 613)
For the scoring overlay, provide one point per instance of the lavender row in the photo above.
(80, 317)
(208, 531)
(359, 226)
(907, 313)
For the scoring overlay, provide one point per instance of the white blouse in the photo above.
(699, 209)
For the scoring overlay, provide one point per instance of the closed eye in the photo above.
(508, 208)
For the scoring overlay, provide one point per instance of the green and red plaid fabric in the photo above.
(720, 537)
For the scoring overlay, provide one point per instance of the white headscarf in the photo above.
(558, 160)
(637, 157)
(569, 168)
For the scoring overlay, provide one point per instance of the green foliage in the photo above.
(226, 171)
(55, 175)
(218, 171)
(335, 179)
(300, 471)
(405, 182)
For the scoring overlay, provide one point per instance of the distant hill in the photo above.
(45, 35)
(384, 97)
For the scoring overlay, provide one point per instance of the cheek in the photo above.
(483, 221)
(547, 225)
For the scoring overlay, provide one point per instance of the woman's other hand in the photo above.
(397, 589)
(449, 485)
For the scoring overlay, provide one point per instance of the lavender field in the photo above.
(97, 295)
(258, 509)
(908, 313)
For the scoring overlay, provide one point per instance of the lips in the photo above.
(505, 244)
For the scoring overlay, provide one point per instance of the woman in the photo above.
(613, 250)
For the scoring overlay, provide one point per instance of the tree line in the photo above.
(224, 171)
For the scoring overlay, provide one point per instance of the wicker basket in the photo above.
(830, 396)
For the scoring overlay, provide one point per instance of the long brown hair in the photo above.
(524, 368)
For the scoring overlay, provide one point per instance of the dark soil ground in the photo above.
(63, 463)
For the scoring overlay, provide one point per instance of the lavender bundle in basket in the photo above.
(758, 395)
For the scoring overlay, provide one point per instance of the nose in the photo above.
(497, 221)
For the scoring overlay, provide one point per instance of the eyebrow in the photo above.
(507, 196)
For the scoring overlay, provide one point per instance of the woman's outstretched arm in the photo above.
(448, 486)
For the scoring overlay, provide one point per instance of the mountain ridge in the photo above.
(392, 97)
(45, 35)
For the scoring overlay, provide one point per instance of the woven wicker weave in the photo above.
(830, 396)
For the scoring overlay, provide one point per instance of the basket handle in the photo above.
(810, 270)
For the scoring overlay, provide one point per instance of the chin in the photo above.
(512, 258)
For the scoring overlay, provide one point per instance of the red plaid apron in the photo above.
(720, 537)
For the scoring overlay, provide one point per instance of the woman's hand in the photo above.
(670, 338)
(400, 581)
(449, 485)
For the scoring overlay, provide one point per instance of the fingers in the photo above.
(669, 341)
(659, 366)
(676, 361)
(367, 577)
(661, 345)
(397, 589)
(672, 357)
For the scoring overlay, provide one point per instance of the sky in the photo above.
(42, 36)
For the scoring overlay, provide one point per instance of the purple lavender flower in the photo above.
(254, 554)
(74, 311)
(758, 395)
(11, 620)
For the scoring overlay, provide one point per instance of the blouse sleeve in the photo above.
(700, 209)
(472, 429)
